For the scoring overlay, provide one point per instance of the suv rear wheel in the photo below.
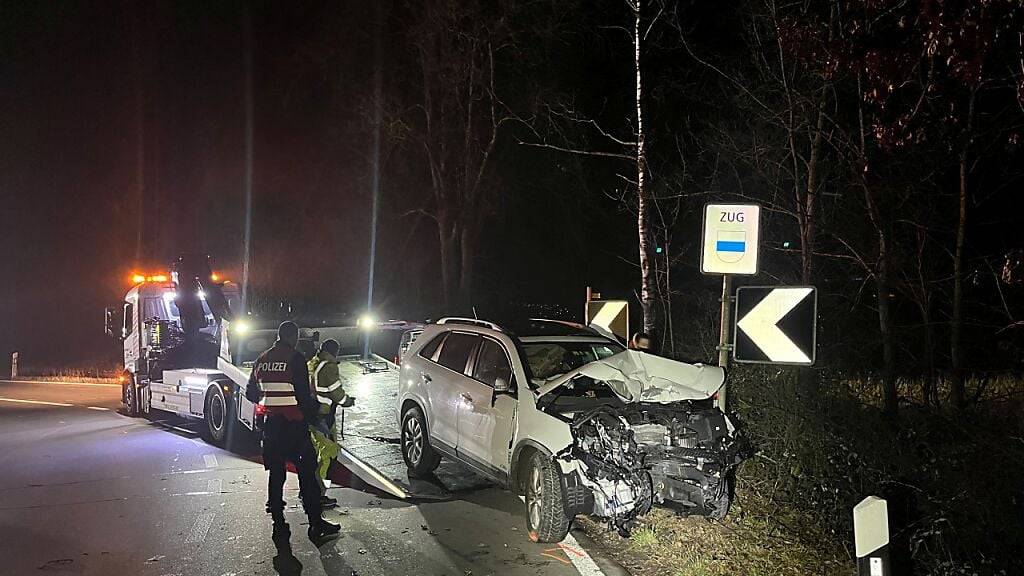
(419, 455)
(546, 520)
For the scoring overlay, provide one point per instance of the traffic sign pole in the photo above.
(723, 338)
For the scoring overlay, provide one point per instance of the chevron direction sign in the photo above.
(611, 315)
(776, 325)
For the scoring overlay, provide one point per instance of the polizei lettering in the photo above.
(273, 367)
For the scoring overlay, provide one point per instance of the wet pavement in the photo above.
(87, 490)
(371, 433)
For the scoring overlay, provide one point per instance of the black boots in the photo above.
(320, 531)
(282, 536)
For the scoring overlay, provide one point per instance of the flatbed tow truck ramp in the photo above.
(369, 436)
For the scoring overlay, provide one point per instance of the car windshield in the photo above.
(548, 360)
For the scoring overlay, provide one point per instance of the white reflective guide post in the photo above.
(730, 239)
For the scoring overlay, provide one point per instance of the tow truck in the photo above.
(185, 352)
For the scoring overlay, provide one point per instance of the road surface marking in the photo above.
(211, 460)
(99, 384)
(35, 402)
(200, 528)
(580, 559)
(215, 485)
(98, 408)
(584, 564)
(552, 553)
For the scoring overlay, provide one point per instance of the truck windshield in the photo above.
(549, 360)
(171, 309)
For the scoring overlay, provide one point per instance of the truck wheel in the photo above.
(420, 457)
(218, 415)
(130, 397)
(546, 520)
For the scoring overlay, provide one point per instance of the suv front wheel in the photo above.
(546, 520)
(420, 457)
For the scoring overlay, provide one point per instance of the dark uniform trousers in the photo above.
(288, 440)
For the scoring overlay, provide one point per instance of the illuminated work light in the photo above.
(240, 327)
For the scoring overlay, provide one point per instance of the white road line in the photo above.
(211, 460)
(579, 557)
(99, 384)
(35, 402)
(98, 408)
(584, 564)
(200, 528)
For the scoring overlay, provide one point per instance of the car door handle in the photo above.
(425, 377)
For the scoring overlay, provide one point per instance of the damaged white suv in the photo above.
(567, 417)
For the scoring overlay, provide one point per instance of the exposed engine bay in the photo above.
(632, 456)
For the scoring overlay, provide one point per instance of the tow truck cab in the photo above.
(200, 375)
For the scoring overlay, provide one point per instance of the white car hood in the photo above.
(640, 377)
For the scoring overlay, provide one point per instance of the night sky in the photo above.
(124, 146)
(106, 104)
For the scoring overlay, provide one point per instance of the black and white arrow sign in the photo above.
(776, 325)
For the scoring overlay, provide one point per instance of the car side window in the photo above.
(456, 349)
(431, 347)
(492, 363)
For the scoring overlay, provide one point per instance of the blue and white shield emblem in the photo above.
(731, 245)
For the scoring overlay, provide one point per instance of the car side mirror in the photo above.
(501, 386)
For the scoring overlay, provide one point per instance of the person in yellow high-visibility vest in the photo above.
(325, 380)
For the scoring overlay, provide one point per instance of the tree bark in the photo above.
(647, 275)
(467, 243)
(957, 394)
(449, 258)
(807, 210)
(883, 285)
(881, 272)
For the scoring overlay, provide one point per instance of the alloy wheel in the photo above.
(413, 440)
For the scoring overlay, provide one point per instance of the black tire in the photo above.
(218, 417)
(420, 457)
(723, 500)
(130, 397)
(546, 520)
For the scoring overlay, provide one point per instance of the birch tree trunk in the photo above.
(647, 276)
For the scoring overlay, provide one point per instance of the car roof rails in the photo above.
(470, 321)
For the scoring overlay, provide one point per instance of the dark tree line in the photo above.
(882, 138)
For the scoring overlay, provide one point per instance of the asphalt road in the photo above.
(86, 490)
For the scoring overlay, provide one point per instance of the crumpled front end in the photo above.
(681, 455)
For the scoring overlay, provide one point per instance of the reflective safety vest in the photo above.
(327, 381)
(277, 394)
(273, 375)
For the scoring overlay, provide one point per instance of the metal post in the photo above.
(375, 181)
(14, 365)
(871, 537)
(723, 340)
(247, 229)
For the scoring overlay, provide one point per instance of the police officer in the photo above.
(280, 382)
(323, 371)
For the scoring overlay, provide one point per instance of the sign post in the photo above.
(730, 246)
(14, 365)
